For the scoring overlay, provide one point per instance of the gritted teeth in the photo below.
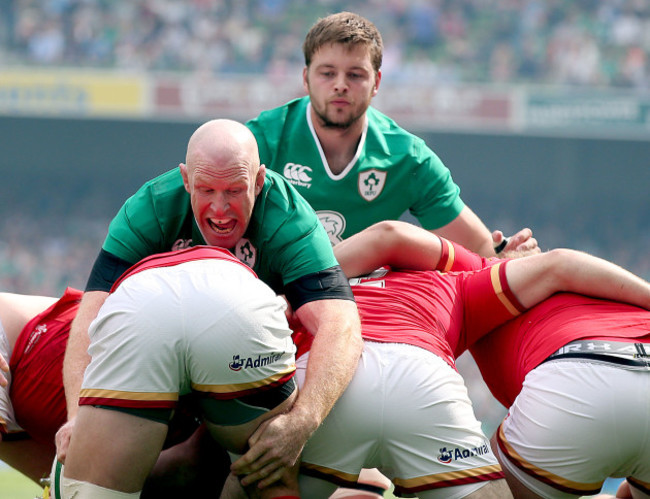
(222, 227)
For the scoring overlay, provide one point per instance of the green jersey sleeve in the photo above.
(157, 218)
(436, 196)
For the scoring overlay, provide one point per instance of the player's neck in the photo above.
(339, 145)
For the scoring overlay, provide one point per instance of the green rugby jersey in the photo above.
(283, 241)
(392, 172)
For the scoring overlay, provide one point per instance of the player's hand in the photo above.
(4, 367)
(523, 241)
(274, 447)
(62, 440)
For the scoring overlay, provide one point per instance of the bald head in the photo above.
(223, 142)
(223, 176)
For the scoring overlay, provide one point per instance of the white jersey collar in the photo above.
(326, 165)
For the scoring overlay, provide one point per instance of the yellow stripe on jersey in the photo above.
(121, 395)
(240, 387)
(496, 284)
(451, 255)
(410, 483)
(349, 478)
(541, 473)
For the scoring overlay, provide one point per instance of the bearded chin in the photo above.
(342, 125)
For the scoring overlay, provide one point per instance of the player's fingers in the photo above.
(529, 245)
(62, 441)
(272, 478)
(268, 474)
(520, 237)
(250, 462)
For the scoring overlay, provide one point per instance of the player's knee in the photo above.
(71, 488)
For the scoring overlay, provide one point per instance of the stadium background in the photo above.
(540, 109)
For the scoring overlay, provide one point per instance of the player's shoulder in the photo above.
(160, 196)
(387, 132)
(274, 118)
(171, 179)
(278, 192)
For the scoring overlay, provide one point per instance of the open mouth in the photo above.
(221, 227)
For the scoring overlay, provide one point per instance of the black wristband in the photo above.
(501, 246)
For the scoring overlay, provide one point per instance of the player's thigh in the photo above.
(350, 436)
(238, 342)
(574, 424)
(136, 344)
(113, 449)
(432, 439)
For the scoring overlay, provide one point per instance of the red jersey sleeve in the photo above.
(457, 258)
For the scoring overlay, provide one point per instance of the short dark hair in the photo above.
(346, 28)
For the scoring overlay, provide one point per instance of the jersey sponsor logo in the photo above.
(180, 244)
(456, 454)
(298, 174)
(246, 252)
(238, 363)
(371, 183)
(334, 224)
(35, 336)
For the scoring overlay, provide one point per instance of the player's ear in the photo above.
(377, 82)
(259, 180)
(186, 181)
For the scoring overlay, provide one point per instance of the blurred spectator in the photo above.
(582, 43)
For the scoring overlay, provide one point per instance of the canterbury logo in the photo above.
(297, 174)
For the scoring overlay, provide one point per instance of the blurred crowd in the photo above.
(43, 256)
(570, 42)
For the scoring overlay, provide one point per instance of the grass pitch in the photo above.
(14, 485)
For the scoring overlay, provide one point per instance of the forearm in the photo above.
(593, 276)
(76, 356)
(333, 359)
(536, 277)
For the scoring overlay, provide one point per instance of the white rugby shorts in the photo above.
(576, 423)
(407, 413)
(205, 325)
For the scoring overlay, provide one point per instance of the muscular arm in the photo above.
(333, 356)
(532, 279)
(76, 355)
(75, 362)
(394, 243)
(536, 277)
(332, 361)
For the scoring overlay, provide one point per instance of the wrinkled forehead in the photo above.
(232, 171)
